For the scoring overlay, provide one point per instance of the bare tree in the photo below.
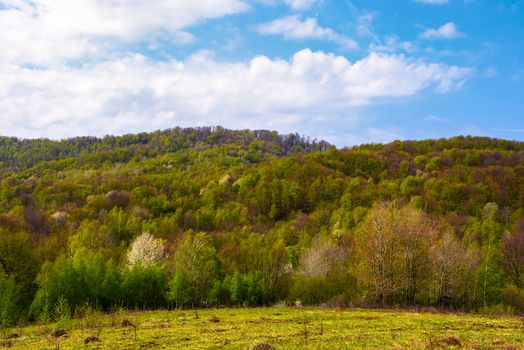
(394, 244)
(454, 268)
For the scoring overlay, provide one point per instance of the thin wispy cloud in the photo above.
(364, 22)
(433, 2)
(302, 4)
(490, 73)
(394, 44)
(518, 75)
(437, 119)
(512, 130)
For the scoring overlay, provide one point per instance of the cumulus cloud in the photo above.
(293, 27)
(446, 31)
(50, 31)
(135, 93)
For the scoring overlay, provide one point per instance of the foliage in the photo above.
(85, 278)
(196, 270)
(144, 287)
(256, 218)
(180, 290)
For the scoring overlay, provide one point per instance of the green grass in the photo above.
(282, 328)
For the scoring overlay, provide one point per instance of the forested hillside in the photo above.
(214, 217)
(258, 144)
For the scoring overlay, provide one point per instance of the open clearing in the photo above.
(275, 328)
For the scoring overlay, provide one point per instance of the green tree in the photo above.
(180, 289)
(145, 287)
(84, 278)
(19, 261)
(491, 274)
(197, 256)
(10, 300)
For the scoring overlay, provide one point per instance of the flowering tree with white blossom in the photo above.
(146, 250)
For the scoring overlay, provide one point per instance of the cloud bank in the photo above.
(135, 93)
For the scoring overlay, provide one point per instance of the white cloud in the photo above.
(50, 31)
(292, 27)
(446, 31)
(433, 2)
(136, 94)
(302, 4)
(183, 38)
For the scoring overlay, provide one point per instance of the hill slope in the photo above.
(199, 217)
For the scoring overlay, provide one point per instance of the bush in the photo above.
(311, 290)
(514, 297)
(220, 295)
(63, 314)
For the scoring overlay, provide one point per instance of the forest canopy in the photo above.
(213, 217)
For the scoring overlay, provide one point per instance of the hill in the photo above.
(16, 152)
(209, 217)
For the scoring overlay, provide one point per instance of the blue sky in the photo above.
(349, 72)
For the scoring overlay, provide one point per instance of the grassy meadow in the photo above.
(273, 328)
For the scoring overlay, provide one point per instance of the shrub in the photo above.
(311, 290)
(63, 314)
(514, 297)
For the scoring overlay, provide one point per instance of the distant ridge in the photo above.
(24, 153)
